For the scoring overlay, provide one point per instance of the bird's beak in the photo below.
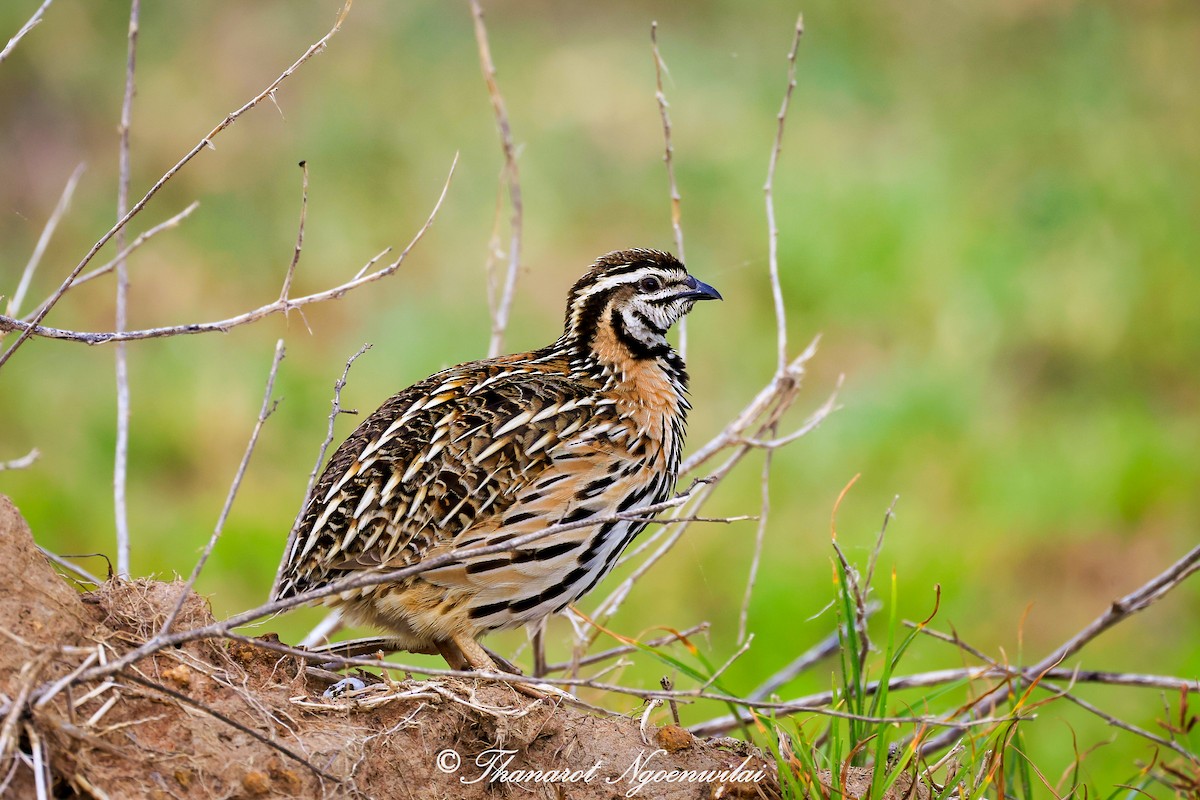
(699, 290)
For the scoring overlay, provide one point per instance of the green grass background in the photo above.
(988, 211)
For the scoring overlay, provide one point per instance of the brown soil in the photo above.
(221, 719)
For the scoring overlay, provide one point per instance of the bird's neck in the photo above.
(655, 385)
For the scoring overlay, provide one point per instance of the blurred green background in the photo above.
(988, 211)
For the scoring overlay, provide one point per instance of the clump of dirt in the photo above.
(215, 718)
(219, 719)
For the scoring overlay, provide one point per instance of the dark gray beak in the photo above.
(700, 290)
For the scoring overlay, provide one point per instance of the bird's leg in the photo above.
(455, 658)
(538, 643)
(480, 661)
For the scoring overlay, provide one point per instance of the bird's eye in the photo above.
(650, 284)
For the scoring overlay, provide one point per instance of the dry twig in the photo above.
(335, 411)
(108, 267)
(660, 97)
(64, 202)
(1138, 600)
(768, 193)
(267, 408)
(287, 281)
(121, 459)
(34, 327)
(24, 462)
(225, 325)
(501, 305)
(26, 28)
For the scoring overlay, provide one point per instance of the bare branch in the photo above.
(334, 412)
(141, 239)
(500, 306)
(1120, 723)
(1138, 600)
(67, 565)
(759, 537)
(222, 326)
(24, 462)
(230, 119)
(815, 704)
(615, 652)
(660, 96)
(287, 281)
(764, 400)
(772, 228)
(64, 202)
(263, 413)
(26, 28)
(121, 458)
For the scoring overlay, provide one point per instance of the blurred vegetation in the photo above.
(989, 213)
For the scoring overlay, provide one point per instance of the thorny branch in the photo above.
(34, 326)
(362, 278)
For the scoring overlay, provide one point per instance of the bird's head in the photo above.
(630, 299)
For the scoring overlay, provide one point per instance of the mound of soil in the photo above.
(220, 719)
(214, 718)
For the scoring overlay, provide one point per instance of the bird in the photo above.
(476, 455)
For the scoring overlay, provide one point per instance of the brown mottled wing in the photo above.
(444, 456)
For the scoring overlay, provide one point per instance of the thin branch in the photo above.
(230, 119)
(41, 764)
(67, 565)
(1117, 723)
(141, 239)
(759, 537)
(761, 402)
(616, 652)
(287, 281)
(334, 412)
(951, 639)
(729, 662)
(121, 458)
(24, 462)
(768, 192)
(512, 178)
(26, 28)
(660, 97)
(225, 325)
(64, 202)
(263, 413)
(1138, 600)
(811, 703)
